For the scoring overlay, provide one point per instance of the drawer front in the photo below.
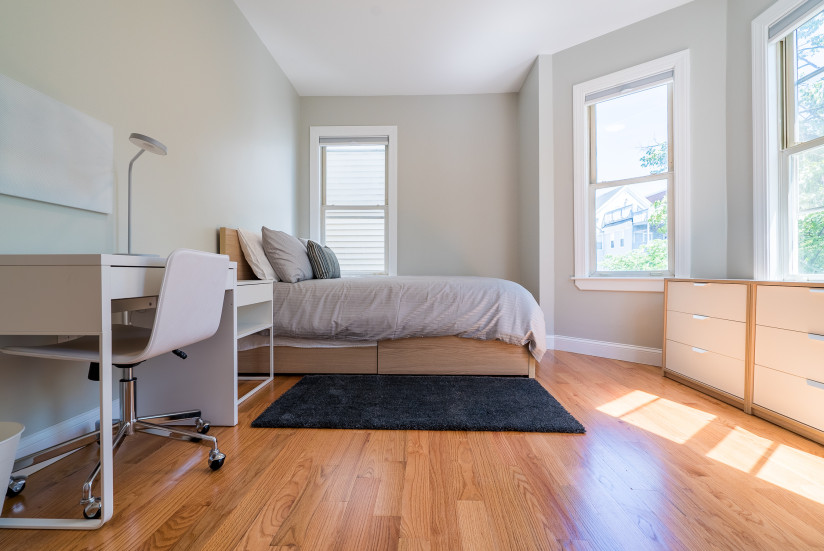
(714, 334)
(252, 294)
(716, 300)
(799, 354)
(795, 397)
(721, 372)
(796, 308)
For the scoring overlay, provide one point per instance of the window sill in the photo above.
(625, 284)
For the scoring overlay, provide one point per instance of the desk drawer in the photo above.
(716, 300)
(796, 308)
(714, 334)
(795, 397)
(716, 370)
(253, 293)
(799, 354)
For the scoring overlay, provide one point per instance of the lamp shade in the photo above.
(149, 144)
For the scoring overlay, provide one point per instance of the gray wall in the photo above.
(740, 14)
(458, 192)
(190, 73)
(636, 318)
(528, 176)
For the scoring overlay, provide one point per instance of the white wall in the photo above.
(190, 73)
(637, 318)
(458, 191)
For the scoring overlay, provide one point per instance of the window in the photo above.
(352, 196)
(632, 176)
(788, 135)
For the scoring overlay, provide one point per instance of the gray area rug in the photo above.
(412, 402)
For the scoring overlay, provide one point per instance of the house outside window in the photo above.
(632, 176)
(353, 210)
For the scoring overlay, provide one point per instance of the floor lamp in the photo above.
(145, 143)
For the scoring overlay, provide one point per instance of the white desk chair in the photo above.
(188, 311)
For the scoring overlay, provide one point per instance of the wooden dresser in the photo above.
(758, 345)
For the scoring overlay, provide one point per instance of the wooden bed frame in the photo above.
(413, 356)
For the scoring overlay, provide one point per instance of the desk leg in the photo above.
(106, 454)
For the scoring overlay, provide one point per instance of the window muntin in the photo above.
(801, 172)
(631, 176)
(354, 206)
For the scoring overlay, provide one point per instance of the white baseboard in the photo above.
(65, 430)
(602, 349)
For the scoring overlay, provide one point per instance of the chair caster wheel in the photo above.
(93, 510)
(202, 426)
(216, 460)
(16, 485)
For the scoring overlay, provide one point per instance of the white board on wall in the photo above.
(52, 152)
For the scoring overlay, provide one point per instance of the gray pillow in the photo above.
(287, 255)
(325, 264)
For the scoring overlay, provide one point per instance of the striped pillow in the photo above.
(324, 262)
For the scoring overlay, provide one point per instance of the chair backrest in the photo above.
(190, 301)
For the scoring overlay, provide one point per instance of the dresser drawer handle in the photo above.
(815, 337)
(699, 317)
(817, 289)
(700, 284)
(699, 350)
(815, 384)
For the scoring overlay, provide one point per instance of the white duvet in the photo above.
(384, 308)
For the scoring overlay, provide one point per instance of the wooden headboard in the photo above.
(229, 244)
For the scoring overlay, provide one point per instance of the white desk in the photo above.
(72, 295)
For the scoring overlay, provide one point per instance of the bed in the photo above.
(315, 348)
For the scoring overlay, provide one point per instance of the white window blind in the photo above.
(354, 205)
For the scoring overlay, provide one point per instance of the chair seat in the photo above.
(128, 343)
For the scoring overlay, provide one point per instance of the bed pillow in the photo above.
(287, 255)
(325, 264)
(251, 243)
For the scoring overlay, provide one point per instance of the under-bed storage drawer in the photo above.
(714, 334)
(716, 300)
(713, 369)
(795, 397)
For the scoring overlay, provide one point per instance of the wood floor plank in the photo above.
(660, 467)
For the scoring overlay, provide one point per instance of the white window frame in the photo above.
(679, 203)
(770, 227)
(315, 195)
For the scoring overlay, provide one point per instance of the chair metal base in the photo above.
(128, 423)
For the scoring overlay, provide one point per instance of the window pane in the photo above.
(807, 187)
(631, 228)
(631, 134)
(357, 238)
(355, 175)
(809, 79)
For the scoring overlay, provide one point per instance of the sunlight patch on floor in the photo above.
(797, 471)
(665, 418)
(740, 449)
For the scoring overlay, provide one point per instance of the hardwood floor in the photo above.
(661, 467)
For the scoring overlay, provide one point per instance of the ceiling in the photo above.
(422, 47)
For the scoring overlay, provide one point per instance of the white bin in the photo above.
(9, 438)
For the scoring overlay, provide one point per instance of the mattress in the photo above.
(369, 309)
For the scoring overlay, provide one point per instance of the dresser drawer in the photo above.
(796, 353)
(795, 397)
(714, 334)
(796, 308)
(716, 300)
(717, 370)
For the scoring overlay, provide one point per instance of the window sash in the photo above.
(384, 208)
(669, 175)
(787, 214)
